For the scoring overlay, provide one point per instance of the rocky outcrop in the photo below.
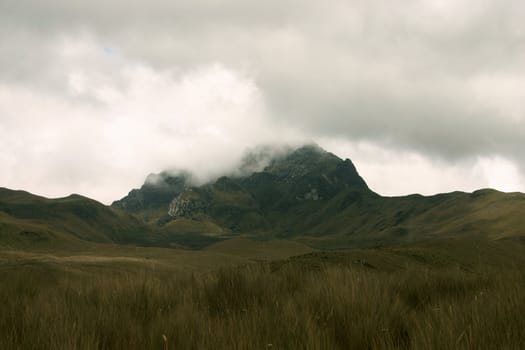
(186, 204)
(156, 193)
(313, 195)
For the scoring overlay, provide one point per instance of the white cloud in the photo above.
(118, 125)
(393, 173)
(95, 95)
(500, 173)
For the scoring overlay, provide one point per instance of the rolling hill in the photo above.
(27, 219)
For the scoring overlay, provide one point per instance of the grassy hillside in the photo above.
(372, 220)
(259, 250)
(29, 219)
(445, 294)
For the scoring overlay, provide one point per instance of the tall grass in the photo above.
(264, 306)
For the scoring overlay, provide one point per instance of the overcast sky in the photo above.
(424, 96)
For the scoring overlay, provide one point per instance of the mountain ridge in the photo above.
(71, 219)
(305, 194)
(312, 194)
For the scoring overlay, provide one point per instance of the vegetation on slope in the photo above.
(313, 195)
(308, 195)
(30, 219)
(357, 299)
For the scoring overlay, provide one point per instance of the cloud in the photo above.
(393, 172)
(121, 122)
(92, 93)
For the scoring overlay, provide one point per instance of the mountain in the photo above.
(304, 194)
(274, 200)
(29, 219)
(313, 195)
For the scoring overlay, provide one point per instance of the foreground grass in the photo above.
(264, 306)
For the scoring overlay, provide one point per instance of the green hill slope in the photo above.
(26, 218)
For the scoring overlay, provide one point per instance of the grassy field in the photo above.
(461, 294)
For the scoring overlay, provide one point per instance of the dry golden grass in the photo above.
(321, 301)
(260, 250)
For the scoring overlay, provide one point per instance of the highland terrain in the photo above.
(292, 250)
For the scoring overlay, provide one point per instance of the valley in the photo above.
(298, 253)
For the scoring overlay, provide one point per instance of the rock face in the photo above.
(186, 204)
(157, 192)
(312, 195)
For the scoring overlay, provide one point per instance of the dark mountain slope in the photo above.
(313, 195)
(378, 220)
(156, 193)
(273, 201)
(26, 217)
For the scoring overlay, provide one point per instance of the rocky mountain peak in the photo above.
(304, 160)
(157, 192)
(305, 178)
